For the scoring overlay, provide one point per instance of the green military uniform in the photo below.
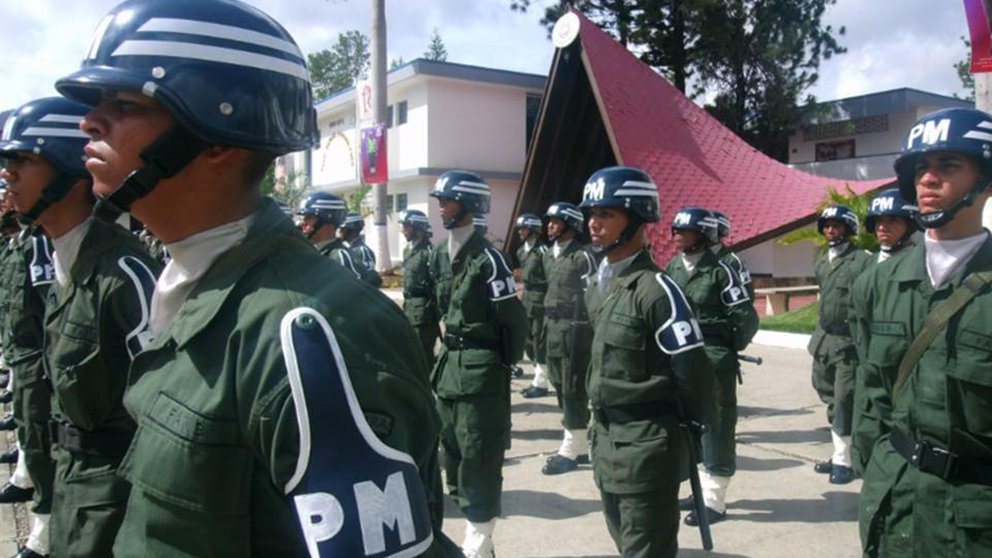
(834, 354)
(531, 258)
(564, 309)
(28, 282)
(364, 259)
(95, 324)
(729, 322)
(485, 332)
(418, 295)
(904, 510)
(339, 252)
(218, 439)
(647, 354)
(729, 257)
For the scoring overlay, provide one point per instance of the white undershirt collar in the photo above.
(67, 250)
(945, 257)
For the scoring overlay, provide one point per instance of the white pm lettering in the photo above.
(41, 272)
(322, 516)
(502, 287)
(683, 218)
(930, 132)
(683, 329)
(882, 204)
(830, 212)
(594, 190)
(736, 293)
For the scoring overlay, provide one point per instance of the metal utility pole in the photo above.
(379, 101)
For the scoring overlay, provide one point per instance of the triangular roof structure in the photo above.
(602, 106)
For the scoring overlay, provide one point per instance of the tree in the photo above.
(289, 189)
(436, 50)
(396, 63)
(759, 57)
(338, 68)
(963, 68)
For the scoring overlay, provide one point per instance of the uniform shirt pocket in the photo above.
(190, 459)
(972, 381)
(624, 343)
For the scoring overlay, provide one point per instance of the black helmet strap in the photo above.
(937, 219)
(626, 236)
(51, 193)
(164, 158)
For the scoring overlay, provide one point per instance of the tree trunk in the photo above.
(379, 100)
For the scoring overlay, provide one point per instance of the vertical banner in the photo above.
(375, 169)
(366, 112)
(979, 12)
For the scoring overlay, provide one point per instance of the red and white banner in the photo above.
(375, 169)
(979, 12)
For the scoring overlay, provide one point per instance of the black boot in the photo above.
(10, 494)
(9, 456)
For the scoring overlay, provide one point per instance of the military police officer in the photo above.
(531, 257)
(834, 354)
(647, 361)
(418, 287)
(97, 320)
(568, 268)
(321, 215)
(364, 257)
(485, 331)
(893, 221)
(728, 256)
(927, 318)
(728, 322)
(283, 407)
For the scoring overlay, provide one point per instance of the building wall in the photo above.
(777, 260)
(866, 145)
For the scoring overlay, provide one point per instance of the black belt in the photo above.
(836, 329)
(562, 314)
(940, 462)
(622, 414)
(74, 440)
(457, 343)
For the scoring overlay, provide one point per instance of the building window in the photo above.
(401, 113)
(389, 203)
(400, 202)
(853, 127)
(533, 109)
(389, 116)
(834, 150)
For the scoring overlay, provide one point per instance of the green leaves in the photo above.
(338, 68)
(858, 204)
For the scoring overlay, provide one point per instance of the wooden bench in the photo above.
(777, 298)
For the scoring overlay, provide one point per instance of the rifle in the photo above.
(693, 431)
(746, 358)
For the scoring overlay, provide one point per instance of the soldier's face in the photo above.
(834, 230)
(26, 174)
(120, 127)
(686, 239)
(408, 232)
(606, 225)
(943, 178)
(308, 224)
(556, 227)
(889, 229)
(449, 208)
(523, 233)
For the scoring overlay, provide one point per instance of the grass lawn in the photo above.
(801, 320)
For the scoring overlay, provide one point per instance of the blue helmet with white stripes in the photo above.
(890, 202)
(227, 72)
(723, 224)
(353, 223)
(529, 221)
(416, 219)
(840, 213)
(699, 220)
(627, 188)
(49, 127)
(329, 208)
(567, 212)
(466, 188)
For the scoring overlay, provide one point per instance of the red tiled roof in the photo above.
(692, 157)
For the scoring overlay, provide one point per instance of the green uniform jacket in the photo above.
(364, 259)
(418, 287)
(720, 301)
(729, 257)
(23, 309)
(217, 439)
(644, 353)
(6, 262)
(477, 297)
(946, 401)
(533, 278)
(836, 279)
(567, 277)
(95, 324)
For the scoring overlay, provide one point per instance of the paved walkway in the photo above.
(777, 506)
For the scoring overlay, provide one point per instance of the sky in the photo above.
(909, 43)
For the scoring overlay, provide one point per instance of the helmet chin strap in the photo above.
(453, 222)
(937, 219)
(164, 158)
(50, 194)
(626, 236)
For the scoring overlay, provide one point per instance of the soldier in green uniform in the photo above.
(567, 268)
(893, 221)
(27, 284)
(648, 362)
(351, 233)
(728, 321)
(96, 322)
(926, 321)
(322, 214)
(485, 330)
(728, 256)
(418, 288)
(834, 354)
(247, 317)
(531, 257)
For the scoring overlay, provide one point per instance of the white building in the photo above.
(442, 116)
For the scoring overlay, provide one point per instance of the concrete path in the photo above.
(777, 505)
